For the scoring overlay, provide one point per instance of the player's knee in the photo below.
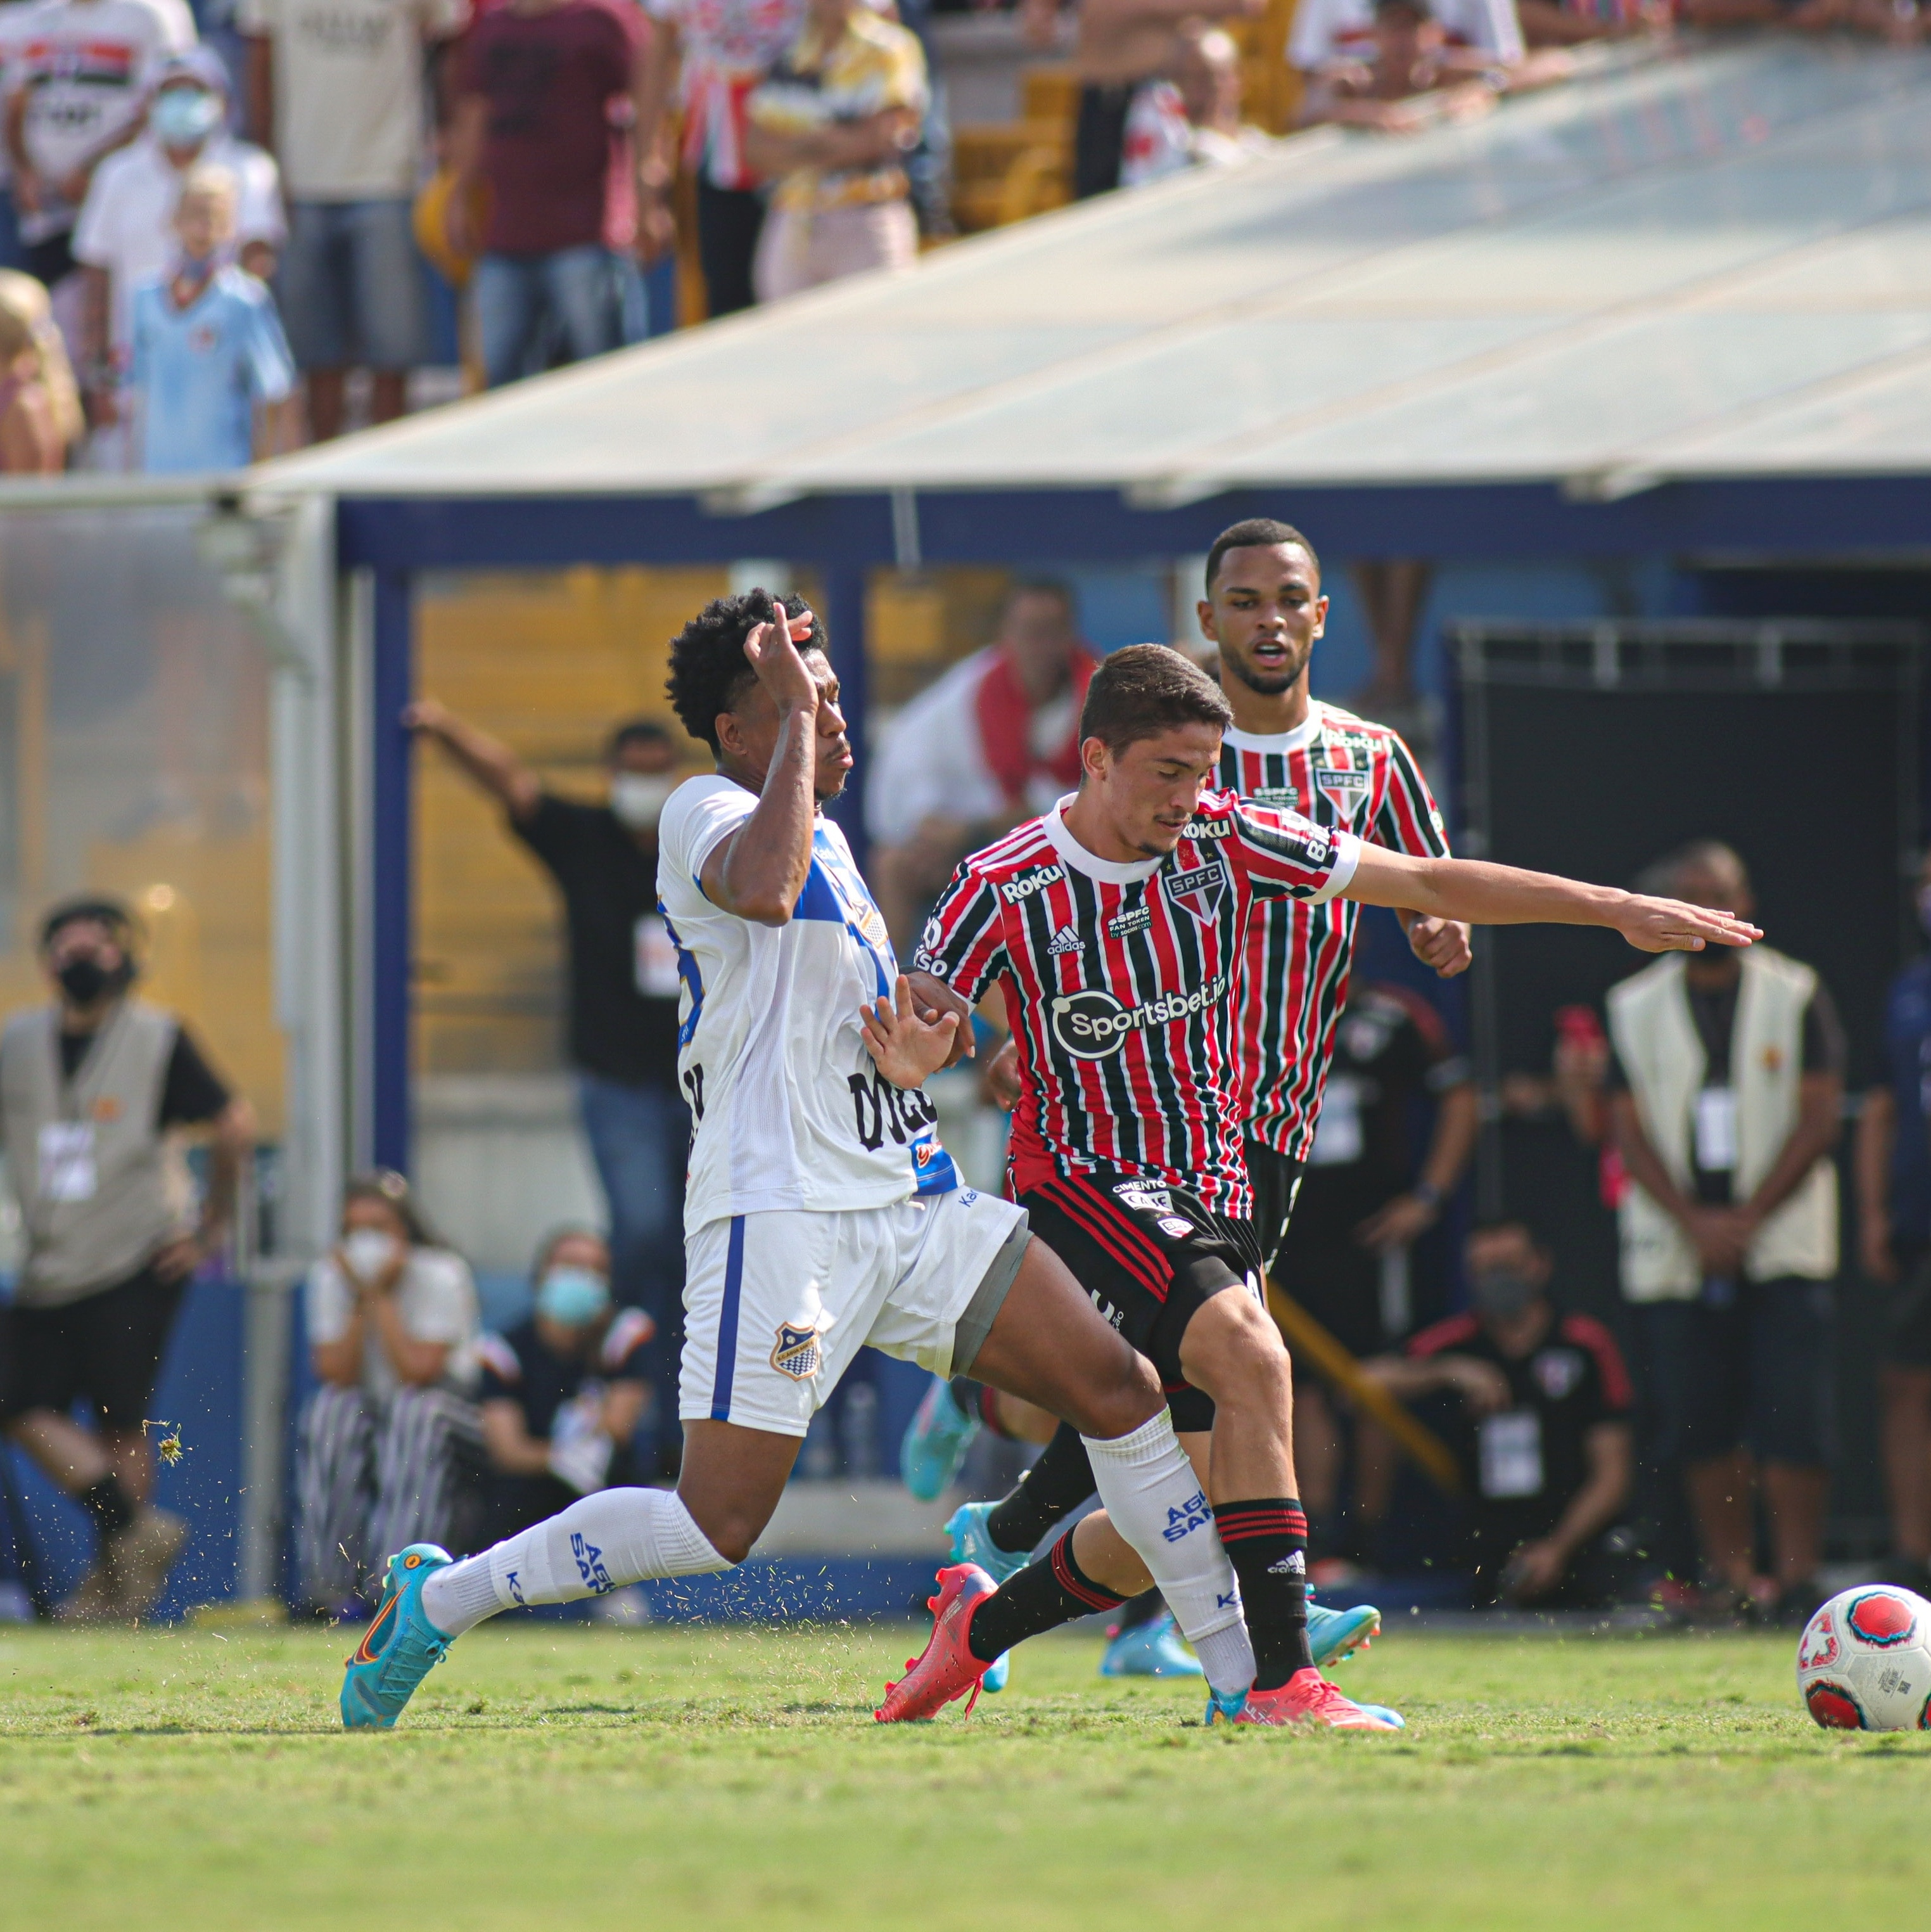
(1233, 1351)
(1122, 1398)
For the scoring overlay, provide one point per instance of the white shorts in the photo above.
(776, 1305)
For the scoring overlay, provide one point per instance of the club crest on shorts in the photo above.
(799, 1352)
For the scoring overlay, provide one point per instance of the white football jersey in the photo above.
(787, 1109)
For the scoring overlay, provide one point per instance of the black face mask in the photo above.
(84, 979)
(1502, 1293)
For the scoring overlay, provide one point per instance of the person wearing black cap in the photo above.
(93, 1089)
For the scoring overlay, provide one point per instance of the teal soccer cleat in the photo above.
(1334, 1635)
(936, 1444)
(971, 1544)
(1152, 1649)
(400, 1648)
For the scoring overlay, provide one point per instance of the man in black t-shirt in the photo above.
(623, 980)
(93, 1091)
(1541, 1427)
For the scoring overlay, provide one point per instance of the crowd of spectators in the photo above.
(488, 184)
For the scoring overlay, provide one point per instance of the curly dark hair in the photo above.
(708, 670)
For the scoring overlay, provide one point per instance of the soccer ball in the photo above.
(1863, 1662)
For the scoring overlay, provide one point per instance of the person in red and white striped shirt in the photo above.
(1112, 926)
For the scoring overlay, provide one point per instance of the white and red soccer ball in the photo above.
(1863, 1662)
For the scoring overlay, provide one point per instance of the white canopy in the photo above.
(1717, 264)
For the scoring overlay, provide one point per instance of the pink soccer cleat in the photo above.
(1306, 1698)
(945, 1669)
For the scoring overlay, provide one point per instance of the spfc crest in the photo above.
(798, 1353)
(1346, 791)
(1199, 890)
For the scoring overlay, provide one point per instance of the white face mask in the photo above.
(368, 1251)
(638, 798)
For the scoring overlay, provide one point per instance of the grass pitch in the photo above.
(558, 1775)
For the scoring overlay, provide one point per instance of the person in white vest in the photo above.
(1726, 1096)
(94, 1090)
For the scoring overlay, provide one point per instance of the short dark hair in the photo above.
(112, 913)
(635, 731)
(1256, 533)
(708, 670)
(1146, 689)
(1061, 593)
(1496, 1225)
(392, 1190)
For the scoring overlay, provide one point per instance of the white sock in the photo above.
(598, 1544)
(1154, 1499)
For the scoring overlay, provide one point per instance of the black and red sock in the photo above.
(1266, 1541)
(1056, 1485)
(1142, 1609)
(1044, 1595)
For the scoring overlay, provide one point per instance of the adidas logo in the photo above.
(1294, 1564)
(1066, 939)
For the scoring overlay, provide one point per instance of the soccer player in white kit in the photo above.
(821, 1212)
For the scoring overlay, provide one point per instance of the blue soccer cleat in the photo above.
(972, 1543)
(400, 1648)
(936, 1444)
(1335, 1636)
(1151, 1649)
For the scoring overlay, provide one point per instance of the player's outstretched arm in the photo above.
(760, 871)
(1486, 894)
(905, 1047)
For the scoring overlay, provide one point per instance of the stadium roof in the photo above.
(1713, 265)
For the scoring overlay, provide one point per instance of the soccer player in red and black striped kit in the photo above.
(1115, 927)
(1264, 610)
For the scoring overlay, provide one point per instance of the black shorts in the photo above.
(1907, 1315)
(1275, 1178)
(1151, 1257)
(105, 1347)
(1339, 1282)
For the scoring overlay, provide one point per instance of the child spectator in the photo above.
(77, 87)
(392, 1328)
(540, 87)
(207, 345)
(564, 1391)
(336, 92)
(125, 234)
(40, 408)
(1194, 119)
(832, 127)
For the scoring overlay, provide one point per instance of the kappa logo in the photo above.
(589, 1564)
(1066, 939)
(1093, 1025)
(1195, 1513)
(1198, 890)
(1221, 1603)
(798, 1353)
(1135, 918)
(514, 1580)
(1023, 887)
(1294, 1564)
(1146, 1200)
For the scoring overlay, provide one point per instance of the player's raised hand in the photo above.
(1669, 925)
(904, 1047)
(773, 649)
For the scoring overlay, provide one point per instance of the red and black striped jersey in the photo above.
(1120, 982)
(1343, 772)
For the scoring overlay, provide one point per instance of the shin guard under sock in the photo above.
(598, 1544)
(1044, 1595)
(1048, 1493)
(1266, 1542)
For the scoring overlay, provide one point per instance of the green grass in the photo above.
(560, 1776)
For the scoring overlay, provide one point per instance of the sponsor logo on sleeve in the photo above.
(798, 1352)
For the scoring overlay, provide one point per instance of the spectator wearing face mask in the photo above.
(564, 1391)
(624, 981)
(126, 234)
(1541, 1424)
(392, 1329)
(94, 1091)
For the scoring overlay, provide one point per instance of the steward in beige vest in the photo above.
(1662, 1055)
